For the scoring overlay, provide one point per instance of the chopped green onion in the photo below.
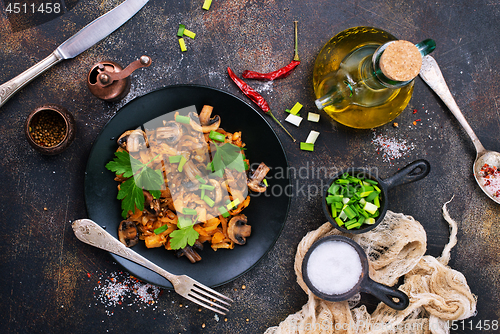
(174, 159)
(214, 135)
(189, 212)
(353, 201)
(189, 33)
(182, 119)
(210, 202)
(202, 193)
(333, 199)
(313, 117)
(373, 182)
(370, 221)
(334, 189)
(232, 205)
(370, 208)
(311, 138)
(307, 147)
(180, 32)
(371, 196)
(223, 211)
(180, 167)
(182, 44)
(161, 229)
(354, 225)
(349, 212)
(339, 221)
(365, 193)
(208, 187)
(200, 179)
(334, 210)
(294, 119)
(206, 4)
(296, 108)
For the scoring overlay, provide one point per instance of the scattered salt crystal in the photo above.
(391, 148)
(118, 289)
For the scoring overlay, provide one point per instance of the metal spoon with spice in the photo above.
(432, 75)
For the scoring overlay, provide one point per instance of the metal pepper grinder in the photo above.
(108, 81)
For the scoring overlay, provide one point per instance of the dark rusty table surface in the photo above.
(50, 282)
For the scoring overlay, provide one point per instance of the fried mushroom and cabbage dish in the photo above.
(184, 184)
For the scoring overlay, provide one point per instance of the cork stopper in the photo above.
(401, 61)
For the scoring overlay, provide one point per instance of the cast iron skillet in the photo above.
(266, 213)
(365, 284)
(415, 171)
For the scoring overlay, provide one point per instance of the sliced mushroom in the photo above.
(191, 171)
(217, 190)
(170, 133)
(211, 124)
(238, 230)
(190, 252)
(133, 140)
(151, 204)
(127, 233)
(205, 114)
(254, 181)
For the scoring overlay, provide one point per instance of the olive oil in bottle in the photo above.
(363, 79)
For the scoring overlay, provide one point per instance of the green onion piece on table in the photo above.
(307, 147)
(180, 32)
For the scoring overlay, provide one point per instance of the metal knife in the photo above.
(81, 41)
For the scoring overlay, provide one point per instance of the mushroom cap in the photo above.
(255, 178)
(133, 140)
(127, 233)
(171, 132)
(238, 230)
(211, 125)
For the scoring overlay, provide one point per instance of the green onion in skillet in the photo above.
(354, 201)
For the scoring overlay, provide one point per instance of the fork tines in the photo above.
(216, 303)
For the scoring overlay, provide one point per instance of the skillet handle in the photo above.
(387, 294)
(415, 171)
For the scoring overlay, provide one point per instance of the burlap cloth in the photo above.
(395, 248)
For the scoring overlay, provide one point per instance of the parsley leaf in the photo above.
(140, 177)
(227, 156)
(182, 237)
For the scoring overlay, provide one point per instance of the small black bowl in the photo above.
(392, 297)
(415, 171)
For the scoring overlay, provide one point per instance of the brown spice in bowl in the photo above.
(47, 128)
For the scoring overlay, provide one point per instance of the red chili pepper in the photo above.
(282, 72)
(249, 92)
(278, 74)
(255, 97)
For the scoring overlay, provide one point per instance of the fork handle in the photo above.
(91, 233)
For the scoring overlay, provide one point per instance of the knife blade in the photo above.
(89, 35)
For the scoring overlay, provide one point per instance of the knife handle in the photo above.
(8, 89)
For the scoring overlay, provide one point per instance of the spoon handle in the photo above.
(432, 75)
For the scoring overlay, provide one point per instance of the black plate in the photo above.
(267, 213)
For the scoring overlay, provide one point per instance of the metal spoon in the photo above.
(431, 74)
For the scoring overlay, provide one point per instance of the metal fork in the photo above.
(91, 233)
